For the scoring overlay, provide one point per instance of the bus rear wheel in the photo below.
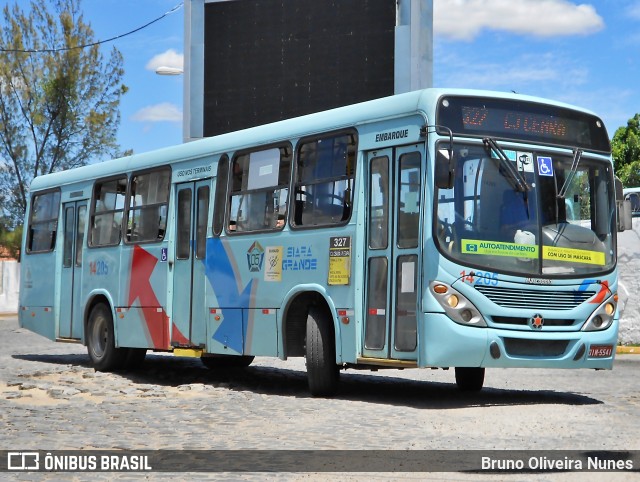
(322, 372)
(470, 379)
(101, 341)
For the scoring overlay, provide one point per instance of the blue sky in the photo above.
(585, 53)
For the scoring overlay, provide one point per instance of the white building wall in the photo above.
(9, 286)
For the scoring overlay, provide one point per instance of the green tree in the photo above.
(625, 147)
(59, 100)
(10, 240)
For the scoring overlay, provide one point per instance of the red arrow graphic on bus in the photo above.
(142, 265)
(602, 294)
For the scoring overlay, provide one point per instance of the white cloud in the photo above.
(465, 19)
(543, 74)
(633, 10)
(170, 58)
(164, 112)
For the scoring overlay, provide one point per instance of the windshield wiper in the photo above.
(517, 179)
(577, 157)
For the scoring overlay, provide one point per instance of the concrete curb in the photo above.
(628, 350)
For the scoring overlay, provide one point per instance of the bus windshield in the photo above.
(561, 223)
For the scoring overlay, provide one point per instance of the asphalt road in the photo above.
(51, 399)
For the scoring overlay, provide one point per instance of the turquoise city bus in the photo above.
(437, 228)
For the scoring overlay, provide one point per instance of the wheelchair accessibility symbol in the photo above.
(545, 166)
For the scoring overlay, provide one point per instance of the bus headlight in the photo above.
(602, 317)
(456, 305)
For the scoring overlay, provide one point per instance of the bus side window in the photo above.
(106, 212)
(323, 189)
(221, 195)
(259, 190)
(43, 222)
(147, 210)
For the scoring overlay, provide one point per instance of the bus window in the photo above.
(634, 198)
(324, 181)
(183, 232)
(221, 195)
(259, 190)
(67, 250)
(409, 205)
(43, 222)
(108, 204)
(147, 212)
(201, 221)
(379, 204)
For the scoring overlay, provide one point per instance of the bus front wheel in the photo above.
(322, 372)
(101, 341)
(469, 379)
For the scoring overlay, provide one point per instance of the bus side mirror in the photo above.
(625, 219)
(623, 208)
(444, 169)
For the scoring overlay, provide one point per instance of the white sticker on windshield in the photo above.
(408, 276)
(525, 162)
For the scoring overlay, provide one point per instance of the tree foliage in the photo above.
(10, 241)
(625, 147)
(58, 102)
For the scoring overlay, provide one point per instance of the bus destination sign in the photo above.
(518, 120)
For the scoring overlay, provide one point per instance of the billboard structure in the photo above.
(250, 62)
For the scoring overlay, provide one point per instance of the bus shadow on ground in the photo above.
(354, 385)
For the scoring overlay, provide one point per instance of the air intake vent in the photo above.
(535, 348)
(534, 299)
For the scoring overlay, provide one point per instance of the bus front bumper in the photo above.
(445, 343)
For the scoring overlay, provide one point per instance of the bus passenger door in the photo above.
(189, 279)
(74, 215)
(393, 262)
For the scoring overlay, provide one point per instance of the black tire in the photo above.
(101, 346)
(217, 362)
(323, 374)
(134, 358)
(470, 379)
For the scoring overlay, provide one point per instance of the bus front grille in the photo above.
(535, 348)
(534, 299)
(521, 321)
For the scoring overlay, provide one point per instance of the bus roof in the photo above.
(421, 101)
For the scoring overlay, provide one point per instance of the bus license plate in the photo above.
(600, 351)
